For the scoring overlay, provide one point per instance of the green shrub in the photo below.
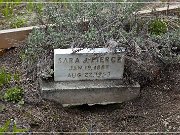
(14, 94)
(6, 127)
(17, 22)
(76, 25)
(7, 7)
(5, 77)
(92, 25)
(169, 46)
(7, 10)
(79, 25)
(158, 27)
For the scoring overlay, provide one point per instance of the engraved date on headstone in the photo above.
(88, 65)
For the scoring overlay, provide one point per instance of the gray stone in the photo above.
(88, 64)
(89, 76)
(88, 92)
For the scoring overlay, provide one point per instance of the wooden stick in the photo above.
(163, 9)
(10, 38)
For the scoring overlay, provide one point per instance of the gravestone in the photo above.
(88, 76)
(88, 64)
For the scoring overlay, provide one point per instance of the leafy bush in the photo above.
(76, 25)
(79, 25)
(7, 7)
(7, 10)
(5, 77)
(14, 94)
(158, 27)
(17, 22)
(169, 47)
(92, 25)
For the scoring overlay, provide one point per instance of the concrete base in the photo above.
(88, 92)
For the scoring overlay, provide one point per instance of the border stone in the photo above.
(9, 38)
(88, 92)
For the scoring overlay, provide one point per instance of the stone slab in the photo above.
(88, 92)
(88, 64)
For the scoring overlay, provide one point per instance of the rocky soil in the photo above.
(155, 110)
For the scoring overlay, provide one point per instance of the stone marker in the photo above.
(88, 76)
(88, 64)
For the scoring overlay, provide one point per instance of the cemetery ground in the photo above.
(155, 110)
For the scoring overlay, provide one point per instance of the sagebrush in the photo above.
(82, 25)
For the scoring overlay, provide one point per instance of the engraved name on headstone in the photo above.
(88, 64)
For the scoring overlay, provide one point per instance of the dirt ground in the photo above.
(157, 109)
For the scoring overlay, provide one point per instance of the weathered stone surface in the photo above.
(88, 64)
(88, 92)
(89, 76)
